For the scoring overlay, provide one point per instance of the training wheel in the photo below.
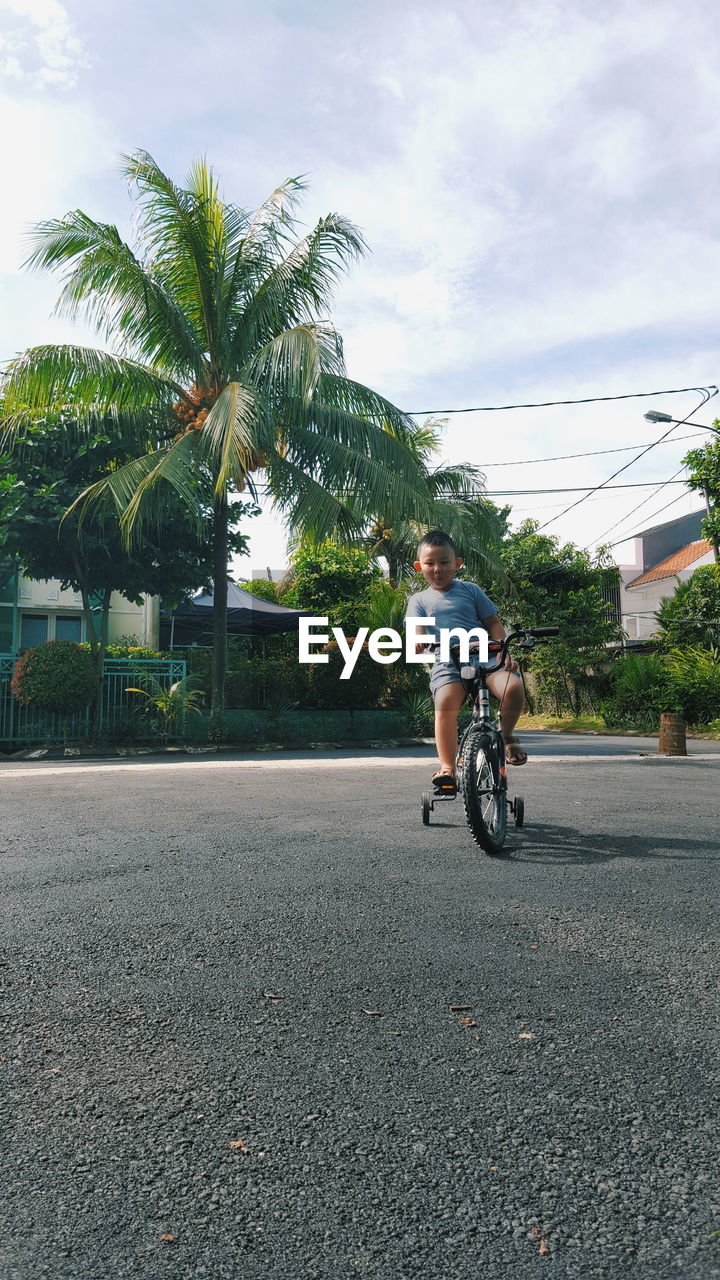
(426, 807)
(519, 810)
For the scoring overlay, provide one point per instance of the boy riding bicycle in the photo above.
(453, 602)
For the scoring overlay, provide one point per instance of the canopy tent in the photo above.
(247, 615)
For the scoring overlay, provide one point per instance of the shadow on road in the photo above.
(543, 842)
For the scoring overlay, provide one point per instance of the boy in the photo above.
(454, 603)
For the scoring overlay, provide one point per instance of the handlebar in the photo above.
(530, 637)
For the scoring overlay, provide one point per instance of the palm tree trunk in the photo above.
(216, 728)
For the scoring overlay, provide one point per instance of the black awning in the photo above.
(247, 615)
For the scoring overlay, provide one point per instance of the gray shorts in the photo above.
(442, 673)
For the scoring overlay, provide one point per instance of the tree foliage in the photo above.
(559, 585)
(704, 476)
(218, 319)
(52, 462)
(691, 617)
(332, 580)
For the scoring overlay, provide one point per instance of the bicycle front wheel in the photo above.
(483, 789)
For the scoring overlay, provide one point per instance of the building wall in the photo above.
(640, 604)
(44, 611)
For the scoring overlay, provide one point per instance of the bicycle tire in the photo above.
(426, 804)
(483, 790)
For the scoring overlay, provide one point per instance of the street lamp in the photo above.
(654, 415)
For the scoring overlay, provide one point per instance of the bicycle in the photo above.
(480, 764)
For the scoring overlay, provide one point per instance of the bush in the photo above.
(689, 618)
(695, 675)
(641, 690)
(127, 647)
(57, 676)
(419, 714)
(363, 689)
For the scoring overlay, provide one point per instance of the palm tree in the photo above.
(458, 507)
(218, 323)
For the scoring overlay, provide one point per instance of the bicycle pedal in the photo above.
(447, 790)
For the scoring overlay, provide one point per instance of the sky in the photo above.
(537, 184)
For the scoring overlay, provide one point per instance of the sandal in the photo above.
(444, 784)
(514, 753)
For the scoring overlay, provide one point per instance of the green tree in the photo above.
(218, 316)
(691, 617)
(53, 460)
(559, 585)
(332, 580)
(704, 468)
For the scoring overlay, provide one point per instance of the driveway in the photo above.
(260, 1022)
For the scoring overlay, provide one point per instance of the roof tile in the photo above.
(673, 564)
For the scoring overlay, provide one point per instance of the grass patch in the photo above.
(567, 724)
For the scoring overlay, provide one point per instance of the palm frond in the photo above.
(180, 228)
(299, 286)
(107, 284)
(464, 481)
(292, 363)
(125, 494)
(313, 428)
(308, 507)
(423, 440)
(361, 467)
(235, 436)
(84, 380)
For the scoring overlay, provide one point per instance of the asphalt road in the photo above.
(260, 1023)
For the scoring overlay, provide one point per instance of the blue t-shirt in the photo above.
(462, 605)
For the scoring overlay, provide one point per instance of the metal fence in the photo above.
(123, 716)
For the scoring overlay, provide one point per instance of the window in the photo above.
(33, 630)
(68, 628)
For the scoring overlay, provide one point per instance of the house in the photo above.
(32, 612)
(664, 555)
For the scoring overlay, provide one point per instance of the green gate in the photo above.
(123, 716)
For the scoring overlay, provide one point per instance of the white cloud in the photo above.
(38, 44)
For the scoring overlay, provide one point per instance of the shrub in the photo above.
(695, 675)
(57, 676)
(403, 681)
(127, 647)
(363, 689)
(419, 714)
(641, 690)
(691, 617)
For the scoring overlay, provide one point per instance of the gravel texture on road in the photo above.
(259, 1022)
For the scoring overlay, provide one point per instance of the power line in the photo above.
(579, 488)
(707, 393)
(629, 536)
(637, 508)
(593, 453)
(548, 404)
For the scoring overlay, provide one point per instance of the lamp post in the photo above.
(654, 415)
